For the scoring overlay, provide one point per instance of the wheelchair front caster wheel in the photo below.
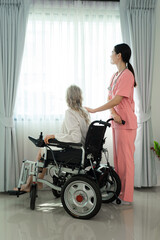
(56, 193)
(118, 201)
(81, 197)
(33, 195)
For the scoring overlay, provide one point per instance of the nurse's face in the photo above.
(114, 57)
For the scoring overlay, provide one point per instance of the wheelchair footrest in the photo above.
(16, 193)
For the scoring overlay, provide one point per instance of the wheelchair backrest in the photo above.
(95, 138)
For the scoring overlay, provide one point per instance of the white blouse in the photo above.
(74, 127)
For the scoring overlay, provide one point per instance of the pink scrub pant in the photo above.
(123, 152)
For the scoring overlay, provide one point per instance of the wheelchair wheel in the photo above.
(33, 195)
(81, 197)
(112, 188)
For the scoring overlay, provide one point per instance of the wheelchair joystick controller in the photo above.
(41, 136)
(38, 142)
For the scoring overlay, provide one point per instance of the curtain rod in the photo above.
(99, 0)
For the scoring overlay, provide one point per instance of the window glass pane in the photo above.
(64, 50)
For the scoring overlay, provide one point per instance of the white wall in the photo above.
(155, 103)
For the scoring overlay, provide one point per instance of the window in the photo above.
(65, 47)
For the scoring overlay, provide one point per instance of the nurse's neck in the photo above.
(121, 66)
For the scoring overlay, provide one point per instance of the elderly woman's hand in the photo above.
(47, 137)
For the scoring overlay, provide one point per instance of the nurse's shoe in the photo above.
(125, 202)
(122, 202)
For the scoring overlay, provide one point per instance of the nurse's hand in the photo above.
(90, 110)
(117, 118)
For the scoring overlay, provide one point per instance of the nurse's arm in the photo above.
(110, 104)
(112, 110)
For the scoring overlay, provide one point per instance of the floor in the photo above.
(140, 221)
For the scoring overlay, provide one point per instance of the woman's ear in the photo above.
(119, 55)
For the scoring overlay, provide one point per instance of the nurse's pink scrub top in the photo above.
(125, 109)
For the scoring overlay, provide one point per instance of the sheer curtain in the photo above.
(67, 42)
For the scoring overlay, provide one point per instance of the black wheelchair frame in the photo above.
(79, 178)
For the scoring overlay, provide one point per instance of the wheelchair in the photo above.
(78, 177)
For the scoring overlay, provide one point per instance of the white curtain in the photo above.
(13, 18)
(67, 42)
(138, 29)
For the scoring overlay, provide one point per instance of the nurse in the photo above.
(121, 105)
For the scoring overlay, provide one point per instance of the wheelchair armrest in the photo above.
(55, 142)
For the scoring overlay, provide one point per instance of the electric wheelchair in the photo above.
(78, 176)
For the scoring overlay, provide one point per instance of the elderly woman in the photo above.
(74, 127)
(76, 119)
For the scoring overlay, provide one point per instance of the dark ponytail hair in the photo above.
(125, 51)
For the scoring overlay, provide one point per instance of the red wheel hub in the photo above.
(79, 198)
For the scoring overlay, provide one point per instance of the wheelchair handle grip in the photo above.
(123, 122)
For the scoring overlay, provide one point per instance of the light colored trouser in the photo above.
(123, 152)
